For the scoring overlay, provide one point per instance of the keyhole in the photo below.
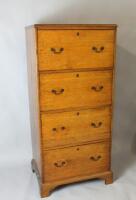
(78, 113)
(77, 33)
(77, 75)
(77, 149)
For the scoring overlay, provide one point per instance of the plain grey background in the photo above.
(16, 179)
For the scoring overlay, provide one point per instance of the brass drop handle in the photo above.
(60, 163)
(57, 92)
(97, 88)
(94, 125)
(57, 50)
(98, 50)
(95, 158)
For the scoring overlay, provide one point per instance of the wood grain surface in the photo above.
(80, 89)
(76, 161)
(75, 127)
(70, 75)
(74, 49)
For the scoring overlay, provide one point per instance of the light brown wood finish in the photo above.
(71, 128)
(76, 161)
(70, 89)
(89, 89)
(75, 49)
(33, 97)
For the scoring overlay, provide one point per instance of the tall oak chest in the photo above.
(70, 76)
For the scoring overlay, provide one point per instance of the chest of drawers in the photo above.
(70, 76)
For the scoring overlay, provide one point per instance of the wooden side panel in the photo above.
(33, 95)
(113, 91)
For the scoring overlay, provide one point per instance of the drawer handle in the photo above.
(95, 158)
(57, 92)
(57, 51)
(54, 129)
(94, 125)
(98, 50)
(62, 128)
(60, 163)
(97, 88)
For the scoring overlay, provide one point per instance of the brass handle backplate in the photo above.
(95, 158)
(55, 129)
(60, 163)
(94, 125)
(57, 50)
(57, 92)
(98, 50)
(97, 88)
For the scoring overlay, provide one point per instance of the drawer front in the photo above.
(72, 49)
(65, 90)
(75, 127)
(76, 161)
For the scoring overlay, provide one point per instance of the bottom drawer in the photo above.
(75, 161)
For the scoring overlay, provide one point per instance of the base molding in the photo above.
(47, 187)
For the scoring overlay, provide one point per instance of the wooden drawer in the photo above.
(76, 161)
(67, 128)
(72, 49)
(68, 90)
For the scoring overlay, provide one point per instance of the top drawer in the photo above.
(72, 49)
